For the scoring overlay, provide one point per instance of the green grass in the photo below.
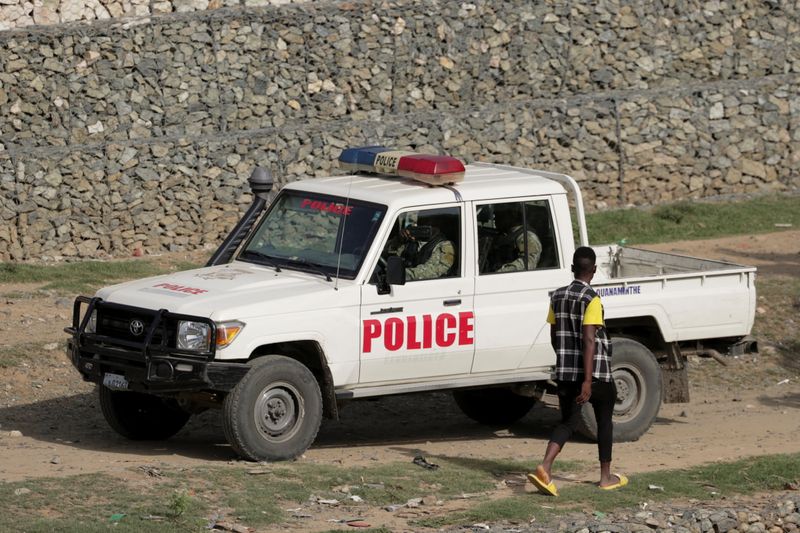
(95, 502)
(379, 485)
(780, 298)
(371, 530)
(82, 277)
(695, 220)
(712, 481)
(13, 354)
(186, 499)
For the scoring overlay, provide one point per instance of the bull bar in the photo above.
(151, 363)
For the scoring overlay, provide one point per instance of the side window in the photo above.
(539, 219)
(429, 241)
(515, 236)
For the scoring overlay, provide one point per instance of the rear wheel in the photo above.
(493, 406)
(140, 416)
(637, 377)
(274, 412)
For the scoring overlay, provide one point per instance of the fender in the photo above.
(309, 353)
(653, 311)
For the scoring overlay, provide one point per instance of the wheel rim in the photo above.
(279, 411)
(630, 392)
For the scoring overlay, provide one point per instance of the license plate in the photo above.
(115, 382)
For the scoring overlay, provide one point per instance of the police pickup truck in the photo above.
(412, 273)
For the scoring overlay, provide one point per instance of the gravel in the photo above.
(774, 513)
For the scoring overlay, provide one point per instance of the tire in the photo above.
(637, 376)
(493, 406)
(139, 416)
(274, 412)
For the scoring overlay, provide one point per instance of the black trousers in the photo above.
(604, 395)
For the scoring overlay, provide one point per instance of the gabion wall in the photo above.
(135, 134)
(21, 13)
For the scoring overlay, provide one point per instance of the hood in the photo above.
(232, 291)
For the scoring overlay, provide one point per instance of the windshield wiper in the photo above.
(310, 267)
(263, 258)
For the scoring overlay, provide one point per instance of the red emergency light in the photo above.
(430, 169)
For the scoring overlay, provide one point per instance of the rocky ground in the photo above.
(766, 513)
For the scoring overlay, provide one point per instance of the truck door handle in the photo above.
(452, 302)
(385, 310)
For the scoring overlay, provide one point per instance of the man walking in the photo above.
(583, 370)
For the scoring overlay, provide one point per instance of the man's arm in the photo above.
(588, 363)
(442, 259)
(551, 319)
(534, 252)
(592, 319)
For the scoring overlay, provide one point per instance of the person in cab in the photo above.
(426, 249)
(512, 243)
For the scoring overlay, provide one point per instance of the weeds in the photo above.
(86, 276)
(14, 354)
(88, 502)
(708, 482)
(696, 220)
(675, 212)
(179, 503)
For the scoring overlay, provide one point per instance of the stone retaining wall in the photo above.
(141, 134)
(22, 13)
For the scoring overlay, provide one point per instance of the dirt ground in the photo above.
(749, 407)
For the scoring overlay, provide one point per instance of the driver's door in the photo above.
(424, 328)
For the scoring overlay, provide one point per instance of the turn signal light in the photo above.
(227, 332)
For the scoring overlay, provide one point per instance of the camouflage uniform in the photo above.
(440, 262)
(534, 251)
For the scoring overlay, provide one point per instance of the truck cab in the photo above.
(412, 273)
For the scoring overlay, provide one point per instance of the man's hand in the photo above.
(586, 393)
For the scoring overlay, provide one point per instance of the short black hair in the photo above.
(583, 260)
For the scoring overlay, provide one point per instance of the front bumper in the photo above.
(149, 363)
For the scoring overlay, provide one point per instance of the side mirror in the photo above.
(395, 274)
(395, 270)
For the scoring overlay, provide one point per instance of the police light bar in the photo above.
(430, 169)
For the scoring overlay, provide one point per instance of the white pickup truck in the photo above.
(413, 273)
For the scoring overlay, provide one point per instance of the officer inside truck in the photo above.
(511, 248)
(426, 247)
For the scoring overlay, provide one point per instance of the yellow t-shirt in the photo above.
(592, 317)
(594, 313)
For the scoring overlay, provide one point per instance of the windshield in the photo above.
(305, 231)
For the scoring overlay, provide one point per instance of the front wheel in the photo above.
(139, 416)
(274, 412)
(637, 377)
(493, 406)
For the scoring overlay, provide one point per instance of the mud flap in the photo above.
(675, 376)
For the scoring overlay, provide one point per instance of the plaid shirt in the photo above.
(568, 306)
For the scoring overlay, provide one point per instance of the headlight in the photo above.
(227, 331)
(91, 326)
(194, 336)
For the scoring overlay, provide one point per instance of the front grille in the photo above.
(125, 325)
(122, 332)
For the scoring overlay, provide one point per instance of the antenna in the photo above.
(344, 227)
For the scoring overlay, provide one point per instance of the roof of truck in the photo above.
(482, 181)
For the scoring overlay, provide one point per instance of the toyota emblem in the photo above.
(137, 327)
